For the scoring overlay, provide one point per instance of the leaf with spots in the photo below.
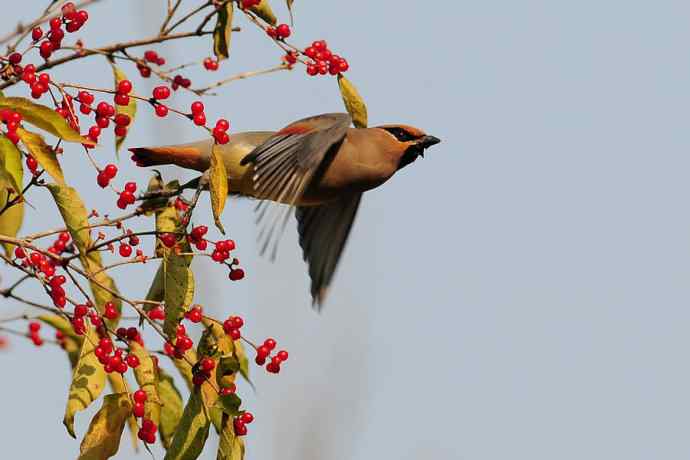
(102, 440)
(218, 185)
(43, 153)
(353, 102)
(44, 118)
(146, 375)
(88, 381)
(130, 109)
(222, 33)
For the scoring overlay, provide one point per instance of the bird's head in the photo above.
(412, 142)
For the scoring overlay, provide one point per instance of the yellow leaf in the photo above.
(171, 408)
(102, 441)
(219, 185)
(167, 221)
(146, 374)
(223, 32)
(119, 385)
(179, 292)
(43, 153)
(44, 118)
(130, 109)
(192, 431)
(264, 11)
(74, 215)
(88, 381)
(11, 219)
(353, 102)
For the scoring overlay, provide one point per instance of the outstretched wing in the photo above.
(285, 165)
(323, 232)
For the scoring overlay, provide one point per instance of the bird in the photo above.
(318, 167)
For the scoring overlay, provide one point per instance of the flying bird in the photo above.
(318, 166)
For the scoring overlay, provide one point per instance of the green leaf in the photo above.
(264, 11)
(171, 408)
(88, 381)
(43, 153)
(223, 32)
(74, 215)
(218, 185)
(129, 110)
(102, 441)
(192, 431)
(230, 447)
(229, 404)
(44, 118)
(146, 374)
(178, 284)
(353, 102)
(11, 220)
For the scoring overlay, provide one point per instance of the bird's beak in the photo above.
(428, 141)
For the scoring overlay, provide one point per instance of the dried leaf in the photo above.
(43, 153)
(11, 219)
(218, 185)
(353, 102)
(192, 431)
(102, 441)
(44, 118)
(146, 374)
(88, 381)
(264, 11)
(223, 32)
(129, 110)
(171, 407)
(74, 214)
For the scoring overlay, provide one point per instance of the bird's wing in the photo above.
(323, 232)
(284, 166)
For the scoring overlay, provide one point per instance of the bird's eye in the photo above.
(400, 134)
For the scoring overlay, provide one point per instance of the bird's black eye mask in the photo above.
(401, 135)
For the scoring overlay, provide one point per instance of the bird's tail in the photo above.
(187, 156)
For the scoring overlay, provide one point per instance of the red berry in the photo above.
(210, 64)
(81, 311)
(109, 311)
(94, 132)
(207, 364)
(15, 58)
(157, 313)
(291, 57)
(228, 390)
(282, 355)
(140, 396)
(19, 252)
(237, 322)
(236, 274)
(283, 31)
(122, 119)
(151, 56)
(122, 99)
(131, 187)
(235, 334)
(161, 110)
(199, 378)
(125, 250)
(221, 137)
(34, 326)
(200, 119)
(55, 23)
(138, 409)
(133, 361)
(168, 239)
(124, 87)
(247, 417)
(102, 179)
(273, 367)
(222, 124)
(312, 69)
(240, 427)
(270, 343)
(161, 92)
(197, 107)
(110, 171)
(46, 49)
(120, 131)
(263, 351)
(36, 34)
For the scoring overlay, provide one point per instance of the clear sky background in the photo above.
(520, 293)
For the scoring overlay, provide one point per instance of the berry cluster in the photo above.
(323, 60)
(210, 64)
(34, 328)
(71, 18)
(39, 84)
(195, 314)
(220, 131)
(147, 432)
(280, 32)
(179, 80)
(196, 237)
(240, 423)
(182, 343)
(202, 370)
(127, 195)
(12, 121)
(129, 333)
(157, 312)
(114, 362)
(232, 327)
(139, 397)
(264, 351)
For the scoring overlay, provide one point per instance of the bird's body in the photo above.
(319, 165)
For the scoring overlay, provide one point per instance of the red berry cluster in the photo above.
(39, 84)
(222, 251)
(179, 80)
(232, 327)
(220, 131)
(12, 121)
(240, 423)
(124, 87)
(114, 362)
(195, 314)
(228, 389)
(157, 312)
(106, 175)
(196, 237)
(139, 397)
(211, 64)
(280, 32)
(147, 432)
(198, 115)
(168, 239)
(34, 328)
(127, 195)
(264, 351)
(182, 343)
(31, 163)
(153, 57)
(323, 60)
(129, 333)
(202, 370)
(71, 18)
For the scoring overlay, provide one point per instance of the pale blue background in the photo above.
(520, 293)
